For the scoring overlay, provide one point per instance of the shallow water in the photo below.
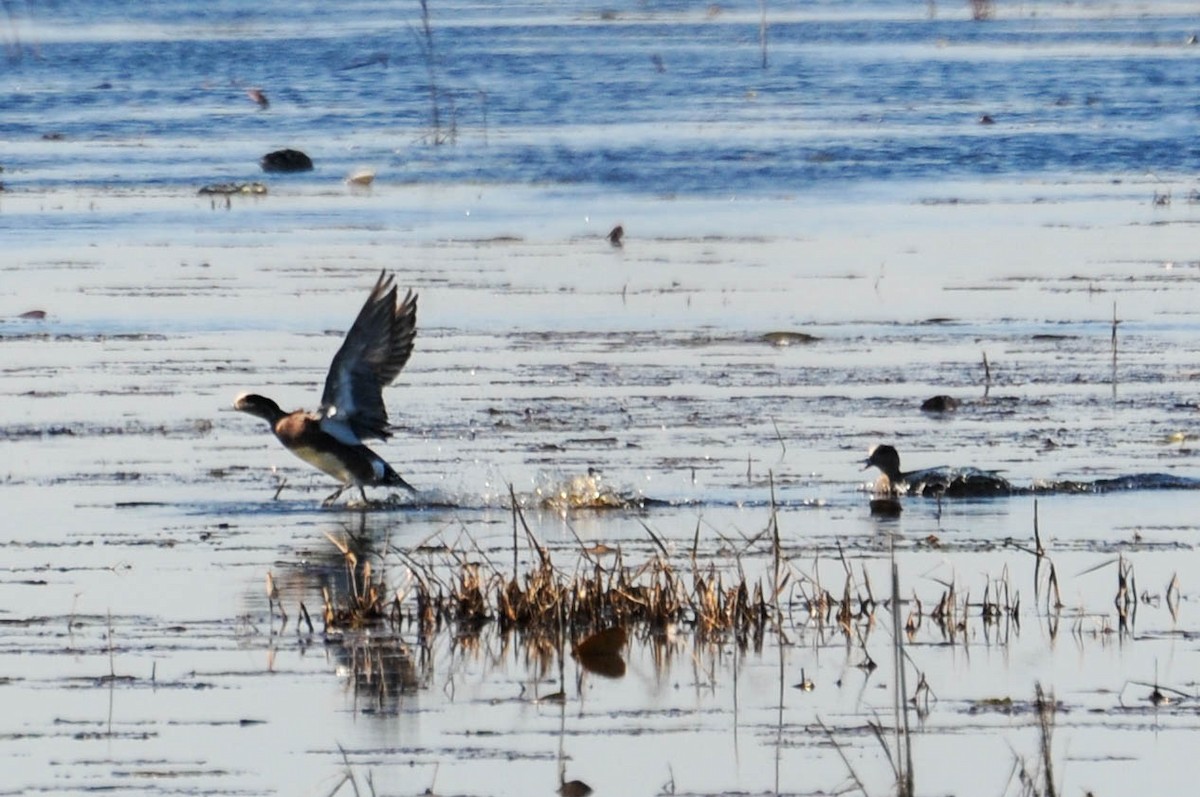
(847, 192)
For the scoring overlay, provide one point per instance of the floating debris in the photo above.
(361, 177)
(259, 98)
(381, 59)
(230, 189)
(782, 339)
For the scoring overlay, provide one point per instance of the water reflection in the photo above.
(381, 671)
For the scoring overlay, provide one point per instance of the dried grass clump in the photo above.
(537, 604)
(735, 608)
(546, 602)
(367, 601)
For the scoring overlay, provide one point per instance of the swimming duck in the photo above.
(933, 482)
(331, 439)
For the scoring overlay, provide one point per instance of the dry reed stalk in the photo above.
(1173, 597)
(1046, 709)
(913, 623)
(1114, 350)
(904, 785)
(842, 755)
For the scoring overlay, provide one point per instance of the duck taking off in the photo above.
(331, 439)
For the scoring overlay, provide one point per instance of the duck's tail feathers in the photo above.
(393, 479)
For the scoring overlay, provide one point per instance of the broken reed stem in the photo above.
(1038, 553)
(987, 376)
(1114, 333)
(1046, 710)
(426, 46)
(776, 550)
(659, 543)
(762, 31)
(1037, 533)
(533, 543)
(841, 754)
(1114, 349)
(512, 497)
(307, 618)
(112, 662)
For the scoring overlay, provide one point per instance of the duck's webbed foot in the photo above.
(329, 501)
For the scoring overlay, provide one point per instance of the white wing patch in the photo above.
(339, 429)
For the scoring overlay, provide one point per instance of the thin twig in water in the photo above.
(1114, 350)
(533, 543)
(512, 497)
(654, 537)
(347, 775)
(112, 665)
(900, 690)
(762, 31)
(1046, 710)
(849, 767)
(425, 43)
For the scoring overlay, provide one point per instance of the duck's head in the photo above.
(258, 406)
(886, 458)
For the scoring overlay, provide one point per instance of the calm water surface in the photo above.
(850, 191)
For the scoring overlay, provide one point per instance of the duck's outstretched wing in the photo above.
(375, 350)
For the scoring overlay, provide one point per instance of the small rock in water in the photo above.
(789, 338)
(33, 315)
(940, 404)
(615, 236)
(286, 160)
(574, 788)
